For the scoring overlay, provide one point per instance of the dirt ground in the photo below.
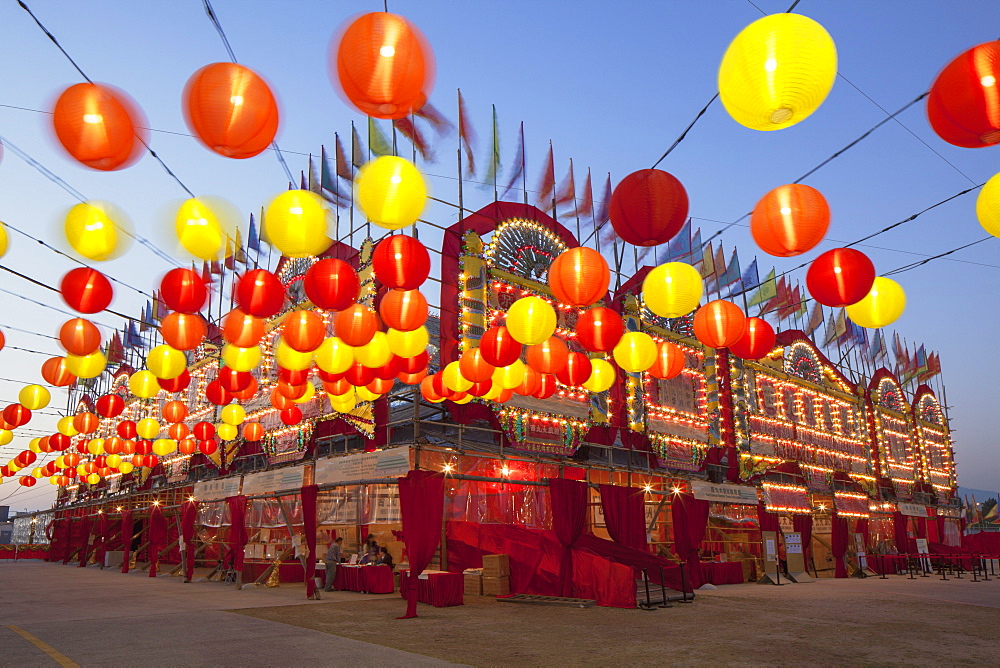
(871, 622)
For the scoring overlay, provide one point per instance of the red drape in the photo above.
(86, 524)
(838, 543)
(72, 529)
(189, 512)
(922, 527)
(624, 515)
(128, 528)
(421, 504)
(309, 494)
(101, 544)
(899, 533)
(690, 516)
(864, 529)
(237, 531)
(569, 516)
(157, 537)
(803, 524)
(939, 525)
(767, 521)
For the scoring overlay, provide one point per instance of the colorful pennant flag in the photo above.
(467, 137)
(494, 168)
(378, 143)
(547, 184)
(767, 291)
(515, 176)
(815, 319)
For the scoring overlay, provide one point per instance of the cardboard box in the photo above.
(496, 586)
(496, 565)
(473, 584)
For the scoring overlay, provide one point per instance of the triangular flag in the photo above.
(567, 191)
(493, 169)
(408, 128)
(241, 255)
(585, 205)
(815, 319)
(358, 154)
(547, 183)
(377, 141)
(253, 239)
(767, 291)
(515, 176)
(466, 137)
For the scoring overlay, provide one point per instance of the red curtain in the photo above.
(690, 516)
(189, 511)
(569, 516)
(940, 529)
(899, 533)
(803, 524)
(865, 531)
(421, 504)
(157, 537)
(72, 529)
(309, 494)
(922, 527)
(838, 542)
(101, 544)
(624, 515)
(85, 526)
(767, 521)
(128, 529)
(237, 531)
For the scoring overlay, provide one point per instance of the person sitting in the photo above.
(385, 558)
(371, 555)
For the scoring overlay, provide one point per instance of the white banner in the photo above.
(708, 491)
(913, 509)
(392, 463)
(289, 477)
(220, 488)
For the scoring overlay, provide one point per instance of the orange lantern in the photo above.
(337, 387)
(719, 324)
(247, 393)
(303, 331)
(113, 445)
(428, 391)
(669, 361)
(242, 329)
(253, 431)
(380, 385)
(183, 331)
(55, 373)
(532, 382)
(178, 431)
(174, 411)
(356, 325)
(79, 337)
(85, 423)
(231, 109)
(579, 276)
(549, 356)
(292, 391)
(790, 220)
(403, 310)
(100, 126)
(412, 378)
(187, 446)
(280, 401)
(474, 367)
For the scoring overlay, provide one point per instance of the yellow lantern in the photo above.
(35, 445)
(93, 478)
(166, 362)
(126, 467)
(199, 229)
(241, 359)
(344, 403)
(95, 446)
(334, 356)
(144, 384)
(375, 353)
(635, 352)
(61, 462)
(777, 71)
(494, 392)
(36, 472)
(54, 479)
(92, 230)
(290, 358)
(296, 223)
(882, 306)
(87, 366)
(364, 394)
(114, 461)
(233, 414)
(453, 378)
(33, 397)
(147, 428)
(510, 376)
(602, 376)
(531, 320)
(307, 395)
(227, 432)
(464, 400)
(988, 206)
(391, 192)
(164, 446)
(3, 240)
(408, 344)
(672, 290)
(6, 436)
(65, 426)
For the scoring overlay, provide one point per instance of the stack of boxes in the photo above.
(473, 581)
(496, 575)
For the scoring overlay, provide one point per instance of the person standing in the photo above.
(331, 560)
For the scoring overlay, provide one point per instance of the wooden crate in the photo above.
(473, 584)
(496, 565)
(496, 586)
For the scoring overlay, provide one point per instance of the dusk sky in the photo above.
(611, 85)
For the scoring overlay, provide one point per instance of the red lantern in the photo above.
(231, 109)
(549, 356)
(175, 411)
(331, 284)
(337, 387)
(253, 431)
(293, 376)
(86, 290)
(110, 405)
(234, 381)
(16, 415)
(481, 389)
(178, 384)
(79, 337)
(384, 66)
(576, 371)
(404, 310)
(532, 382)
(60, 442)
(790, 220)
(291, 416)
(648, 207)
(546, 389)
(55, 373)
(401, 262)
(183, 290)
(599, 329)
(474, 367)
(242, 329)
(964, 103)
(719, 324)
(260, 293)
(303, 331)
(412, 378)
(27, 480)
(208, 447)
(414, 364)
(358, 374)
(183, 331)
(217, 394)
(840, 277)
(248, 392)
(187, 446)
(150, 461)
(388, 370)
(204, 431)
(381, 385)
(100, 126)
(27, 457)
(498, 347)
(290, 391)
(143, 447)
(280, 401)
(579, 276)
(125, 429)
(757, 341)
(356, 325)
(669, 361)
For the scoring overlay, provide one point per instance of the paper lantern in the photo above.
(498, 346)
(672, 290)
(92, 230)
(380, 386)
(384, 66)
(147, 428)
(296, 223)
(126, 429)
(964, 103)
(292, 391)
(303, 331)
(166, 362)
(777, 71)
(259, 293)
(175, 411)
(344, 404)
(427, 390)
(648, 207)
(549, 356)
(988, 204)
(231, 110)
(217, 394)
(391, 192)
(719, 324)
(376, 352)
(208, 447)
(79, 336)
(27, 481)
(510, 376)
(150, 461)
(233, 380)
(453, 378)
(33, 397)
(579, 276)
(840, 277)
(187, 446)
(635, 352)
(16, 415)
(547, 386)
(253, 431)
(100, 126)
(531, 320)
(86, 366)
(55, 372)
(757, 341)
(331, 284)
(164, 446)
(60, 442)
(242, 329)
(86, 290)
(289, 358)
(3, 340)
(359, 375)
(790, 220)
(178, 431)
(404, 310)
(183, 331)
(602, 376)
(576, 371)
(356, 325)
(199, 230)
(364, 394)
(599, 329)
(110, 405)
(475, 367)
(204, 431)
(183, 290)
(882, 306)
(401, 262)
(333, 355)
(291, 416)
(248, 392)
(6, 436)
(408, 344)
(178, 384)
(530, 383)
(233, 414)
(65, 426)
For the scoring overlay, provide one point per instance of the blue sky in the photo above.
(611, 85)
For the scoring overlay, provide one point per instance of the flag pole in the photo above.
(524, 168)
(461, 130)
